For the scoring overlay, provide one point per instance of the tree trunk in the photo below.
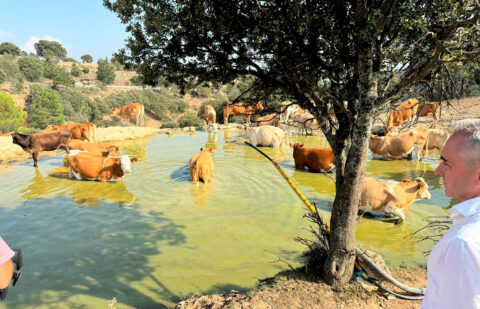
(338, 267)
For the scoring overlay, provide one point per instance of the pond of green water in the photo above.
(155, 237)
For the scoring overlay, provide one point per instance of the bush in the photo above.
(136, 80)
(201, 92)
(2, 76)
(85, 70)
(68, 59)
(44, 107)
(104, 123)
(169, 124)
(106, 72)
(11, 115)
(62, 77)
(189, 120)
(75, 71)
(10, 68)
(76, 105)
(32, 68)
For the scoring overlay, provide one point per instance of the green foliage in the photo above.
(87, 58)
(2, 76)
(31, 67)
(136, 80)
(76, 105)
(10, 68)
(106, 72)
(62, 77)
(68, 59)
(9, 48)
(105, 123)
(85, 70)
(11, 115)
(203, 91)
(189, 120)
(50, 50)
(75, 71)
(44, 107)
(169, 124)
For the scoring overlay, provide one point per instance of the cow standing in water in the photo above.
(134, 110)
(316, 159)
(240, 109)
(34, 143)
(404, 112)
(201, 166)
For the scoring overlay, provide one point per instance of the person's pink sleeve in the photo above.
(5, 252)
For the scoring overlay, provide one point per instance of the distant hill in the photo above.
(122, 78)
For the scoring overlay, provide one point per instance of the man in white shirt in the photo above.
(454, 262)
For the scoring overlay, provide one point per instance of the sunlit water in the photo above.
(155, 238)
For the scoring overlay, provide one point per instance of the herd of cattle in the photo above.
(90, 160)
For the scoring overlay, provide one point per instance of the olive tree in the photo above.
(50, 50)
(355, 56)
(87, 58)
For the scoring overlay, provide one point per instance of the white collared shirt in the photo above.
(454, 262)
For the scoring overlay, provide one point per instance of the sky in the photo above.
(82, 27)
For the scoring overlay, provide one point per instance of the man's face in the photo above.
(460, 177)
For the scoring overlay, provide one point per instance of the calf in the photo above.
(392, 197)
(426, 109)
(316, 159)
(240, 109)
(34, 143)
(266, 136)
(397, 147)
(210, 115)
(402, 113)
(84, 165)
(82, 131)
(98, 149)
(201, 166)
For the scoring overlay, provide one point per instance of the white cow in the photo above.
(266, 136)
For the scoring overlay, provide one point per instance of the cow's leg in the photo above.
(248, 118)
(35, 157)
(225, 118)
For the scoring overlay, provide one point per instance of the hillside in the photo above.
(122, 78)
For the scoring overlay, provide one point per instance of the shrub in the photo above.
(69, 59)
(11, 115)
(44, 107)
(85, 70)
(203, 91)
(106, 72)
(136, 80)
(75, 71)
(32, 68)
(189, 120)
(10, 68)
(104, 123)
(62, 77)
(2, 76)
(169, 124)
(76, 105)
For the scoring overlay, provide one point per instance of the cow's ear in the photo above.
(201, 149)
(133, 160)
(210, 149)
(406, 180)
(300, 145)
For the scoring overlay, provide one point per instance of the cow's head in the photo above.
(126, 163)
(206, 150)
(115, 111)
(50, 128)
(296, 145)
(422, 191)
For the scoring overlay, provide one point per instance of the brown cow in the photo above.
(405, 111)
(84, 165)
(396, 147)
(240, 109)
(135, 110)
(87, 130)
(269, 120)
(98, 149)
(429, 108)
(210, 115)
(201, 166)
(316, 159)
(34, 143)
(392, 197)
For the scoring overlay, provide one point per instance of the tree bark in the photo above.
(338, 267)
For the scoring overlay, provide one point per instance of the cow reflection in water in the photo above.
(200, 193)
(212, 141)
(83, 192)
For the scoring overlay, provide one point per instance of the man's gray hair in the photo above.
(471, 129)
